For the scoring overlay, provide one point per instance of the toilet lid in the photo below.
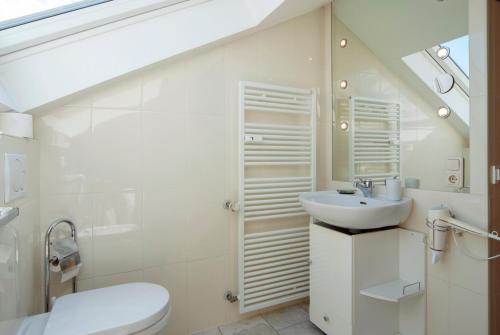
(121, 309)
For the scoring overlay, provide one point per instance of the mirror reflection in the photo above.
(401, 93)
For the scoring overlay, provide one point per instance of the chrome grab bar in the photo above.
(48, 256)
(8, 214)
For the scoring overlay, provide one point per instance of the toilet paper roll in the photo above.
(66, 259)
(65, 276)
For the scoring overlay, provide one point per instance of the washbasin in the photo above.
(355, 212)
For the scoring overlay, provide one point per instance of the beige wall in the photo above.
(20, 292)
(144, 164)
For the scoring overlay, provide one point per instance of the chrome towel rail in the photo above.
(8, 214)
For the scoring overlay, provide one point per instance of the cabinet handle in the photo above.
(326, 318)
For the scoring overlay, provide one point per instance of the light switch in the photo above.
(453, 164)
(16, 177)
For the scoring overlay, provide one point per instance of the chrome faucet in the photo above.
(365, 186)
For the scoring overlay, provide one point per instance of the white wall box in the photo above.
(367, 283)
(16, 181)
(16, 125)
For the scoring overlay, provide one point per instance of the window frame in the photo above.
(70, 23)
(449, 66)
(42, 15)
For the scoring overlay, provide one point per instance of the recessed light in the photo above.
(443, 52)
(444, 112)
(344, 125)
(343, 42)
(343, 84)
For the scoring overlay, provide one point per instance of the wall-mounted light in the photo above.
(444, 112)
(343, 42)
(443, 52)
(344, 125)
(343, 84)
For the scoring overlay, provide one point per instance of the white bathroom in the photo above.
(249, 167)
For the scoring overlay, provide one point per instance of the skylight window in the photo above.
(14, 13)
(459, 53)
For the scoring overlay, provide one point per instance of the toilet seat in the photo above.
(136, 308)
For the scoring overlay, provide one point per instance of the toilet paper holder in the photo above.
(48, 257)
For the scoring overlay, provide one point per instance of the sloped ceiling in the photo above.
(393, 29)
(35, 77)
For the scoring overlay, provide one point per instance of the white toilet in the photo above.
(136, 308)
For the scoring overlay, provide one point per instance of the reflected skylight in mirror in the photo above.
(17, 12)
(459, 52)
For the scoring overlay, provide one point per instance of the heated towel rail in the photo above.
(375, 139)
(277, 162)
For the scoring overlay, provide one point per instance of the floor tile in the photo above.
(214, 331)
(305, 306)
(254, 326)
(304, 328)
(286, 317)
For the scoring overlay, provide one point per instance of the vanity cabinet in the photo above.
(367, 283)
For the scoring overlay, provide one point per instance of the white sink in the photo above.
(355, 212)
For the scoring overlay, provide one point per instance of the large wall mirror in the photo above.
(401, 92)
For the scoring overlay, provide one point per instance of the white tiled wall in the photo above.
(144, 164)
(20, 292)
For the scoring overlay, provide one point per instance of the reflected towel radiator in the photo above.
(375, 139)
(277, 160)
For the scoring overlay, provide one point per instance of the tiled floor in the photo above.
(293, 320)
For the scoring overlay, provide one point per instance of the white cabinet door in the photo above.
(331, 281)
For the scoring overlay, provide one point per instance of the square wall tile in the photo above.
(116, 154)
(165, 230)
(117, 233)
(207, 220)
(164, 148)
(65, 150)
(123, 93)
(174, 278)
(118, 279)
(206, 83)
(164, 89)
(206, 287)
(437, 306)
(467, 272)
(468, 312)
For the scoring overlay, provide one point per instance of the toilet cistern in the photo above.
(365, 186)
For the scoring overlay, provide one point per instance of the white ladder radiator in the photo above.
(375, 139)
(277, 161)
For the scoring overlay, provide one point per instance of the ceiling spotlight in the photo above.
(344, 125)
(343, 84)
(343, 42)
(444, 112)
(443, 52)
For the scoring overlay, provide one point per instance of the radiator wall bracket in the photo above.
(231, 297)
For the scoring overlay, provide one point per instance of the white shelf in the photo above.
(394, 291)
